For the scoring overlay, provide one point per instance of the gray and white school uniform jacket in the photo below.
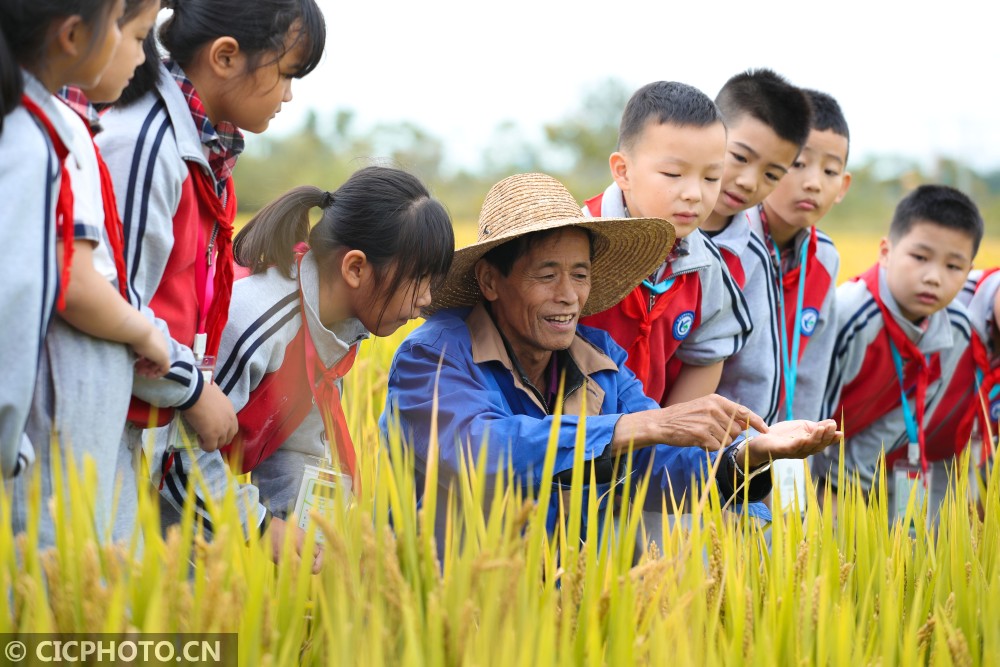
(84, 402)
(29, 184)
(859, 325)
(979, 302)
(752, 375)
(725, 321)
(814, 366)
(147, 147)
(265, 315)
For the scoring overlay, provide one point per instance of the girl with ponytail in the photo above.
(308, 298)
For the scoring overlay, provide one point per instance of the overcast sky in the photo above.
(916, 79)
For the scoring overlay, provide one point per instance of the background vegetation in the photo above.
(327, 148)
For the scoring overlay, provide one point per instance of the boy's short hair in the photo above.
(771, 99)
(665, 102)
(827, 114)
(939, 205)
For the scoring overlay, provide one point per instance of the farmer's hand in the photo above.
(276, 533)
(794, 439)
(710, 422)
(213, 418)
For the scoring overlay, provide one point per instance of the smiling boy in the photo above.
(899, 334)
(689, 315)
(769, 121)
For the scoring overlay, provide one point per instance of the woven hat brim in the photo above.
(627, 250)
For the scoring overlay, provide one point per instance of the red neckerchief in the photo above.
(64, 204)
(323, 383)
(113, 223)
(636, 307)
(224, 215)
(908, 351)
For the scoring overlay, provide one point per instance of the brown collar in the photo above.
(488, 345)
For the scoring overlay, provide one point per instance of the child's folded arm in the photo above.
(95, 307)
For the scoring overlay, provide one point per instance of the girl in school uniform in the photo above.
(170, 145)
(91, 415)
(296, 322)
(95, 323)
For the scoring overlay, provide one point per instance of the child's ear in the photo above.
(225, 58)
(353, 267)
(884, 247)
(619, 170)
(71, 35)
(845, 185)
(486, 277)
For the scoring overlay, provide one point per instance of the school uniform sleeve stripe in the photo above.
(236, 357)
(146, 191)
(960, 320)
(244, 358)
(850, 329)
(740, 308)
(49, 287)
(158, 109)
(756, 246)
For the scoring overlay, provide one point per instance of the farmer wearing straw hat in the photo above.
(505, 333)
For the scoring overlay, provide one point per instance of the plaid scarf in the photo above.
(224, 141)
(78, 102)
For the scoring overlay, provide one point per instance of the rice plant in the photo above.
(490, 586)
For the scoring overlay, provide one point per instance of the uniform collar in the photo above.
(488, 346)
(332, 343)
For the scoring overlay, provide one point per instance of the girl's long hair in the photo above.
(384, 212)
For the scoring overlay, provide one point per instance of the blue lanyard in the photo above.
(790, 362)
(912, 428)
(660, 287)
(979, 385)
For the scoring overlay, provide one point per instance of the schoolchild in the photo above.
(970, 407)
(296, 322)
(95, 322)
(768, 120)
(29, 186)
(806, 262)
(685, 319)
(899, 335)
(171, 144)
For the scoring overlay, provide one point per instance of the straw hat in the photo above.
(626, 250)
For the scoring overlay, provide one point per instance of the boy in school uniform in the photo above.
(689, 315)
(806, 263)
(900, 336)
(768, 120)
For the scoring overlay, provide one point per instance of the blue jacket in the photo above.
(482, 399)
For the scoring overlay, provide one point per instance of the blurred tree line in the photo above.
(326, 150)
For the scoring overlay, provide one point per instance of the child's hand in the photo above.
(213, 418)
(154, 354)
(276, 532)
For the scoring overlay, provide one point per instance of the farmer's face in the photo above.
(537, 306)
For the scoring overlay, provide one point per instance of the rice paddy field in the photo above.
(855, 589)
